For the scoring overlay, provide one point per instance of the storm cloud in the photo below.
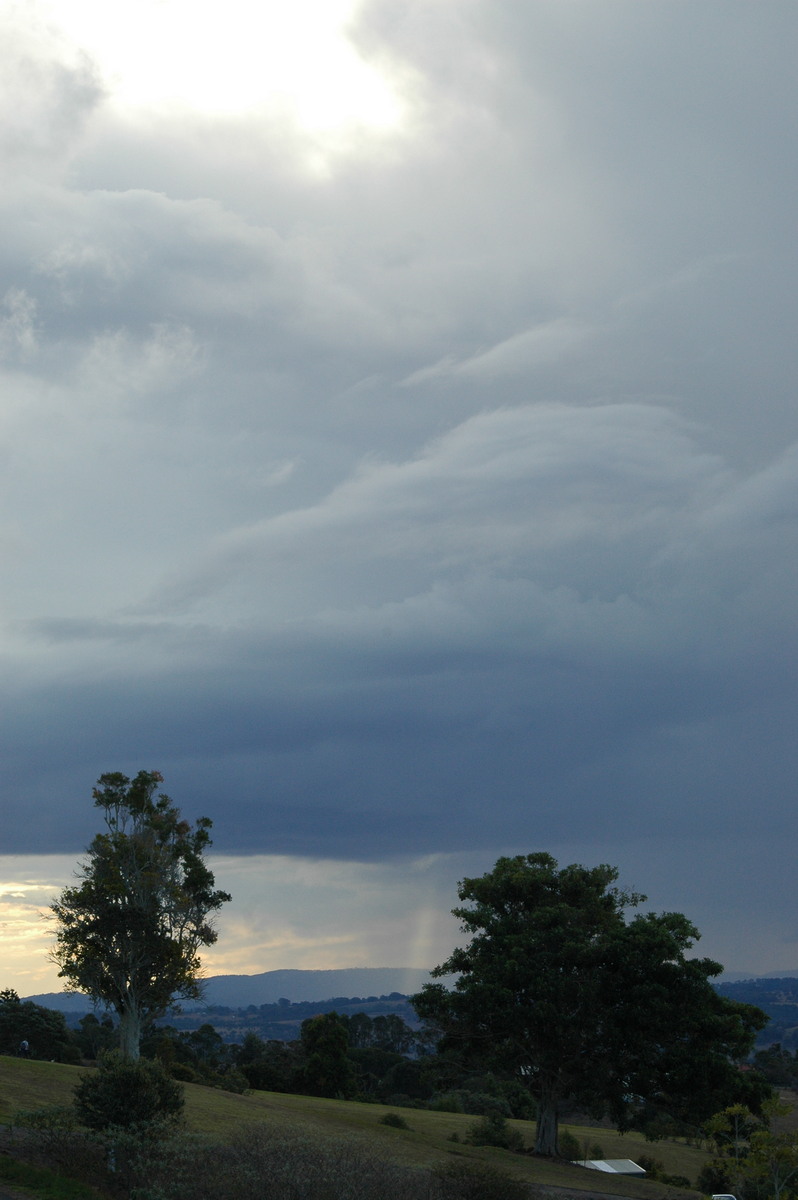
(419, 490)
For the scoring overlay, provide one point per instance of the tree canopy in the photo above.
(45, 1031)
(560, 989)
(129, 933)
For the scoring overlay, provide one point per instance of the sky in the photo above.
(399, 452)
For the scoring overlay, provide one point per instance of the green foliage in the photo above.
(653, 1168)
(45, 1030)
(771, 1163)
(394, 1121)
(184, 1073)
(470, 1181)
(777, 1066)
(123, 1093)
(41, 1182)
(221, 1116)
(261, 1163)
(464, 1100)
(405, 1077)
(559, 989)
(129, 933)
(493, 1130)
(714, 1178)
(451, 1102)
(53, 1136)
(270, 1066)
(328, 1070)
(731, 1131)
(95, 1036)
(198, 1056)
(568, 1146)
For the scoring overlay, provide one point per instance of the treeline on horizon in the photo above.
(322, 1049)
(378, 1059)
(278, 1021)
(281, 1019)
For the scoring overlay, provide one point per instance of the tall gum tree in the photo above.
(584, 1006)
(129, 932)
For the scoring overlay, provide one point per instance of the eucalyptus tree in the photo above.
(129, 933)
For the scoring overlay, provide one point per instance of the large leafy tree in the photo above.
(328, 1069)
(129, 932)
(559, 987)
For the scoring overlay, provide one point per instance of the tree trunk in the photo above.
(546, 1130)
(129, 1032)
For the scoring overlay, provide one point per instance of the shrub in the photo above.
(42, 1181)
(568, 1146)
(652, 1166)
(714, 1178)
(258, 1163)
(51, 1136)
(394, 1120)
(175, 1166)
(655, 1169)
(122, 1093)
(493, 1130)
(231, 1081)
(476, 1181)
(184, 1073)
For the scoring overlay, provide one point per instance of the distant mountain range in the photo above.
(777, 995)
(239, 991)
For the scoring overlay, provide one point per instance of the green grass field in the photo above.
(28, 1085)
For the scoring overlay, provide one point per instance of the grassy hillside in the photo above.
(26, 1085)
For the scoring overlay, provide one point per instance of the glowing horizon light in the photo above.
(231, 59)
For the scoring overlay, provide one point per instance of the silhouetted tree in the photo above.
(129, 933)
(558, 988)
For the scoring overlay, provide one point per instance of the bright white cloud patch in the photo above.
(236, 58)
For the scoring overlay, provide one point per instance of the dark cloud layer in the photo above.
(434, 490)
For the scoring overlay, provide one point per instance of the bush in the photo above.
(260, 1162)
(394, 1120)
(472, 1181)
(123, 1093)
(714, 1178)
(653, 1167)
(51, 1136)
(42, 1181)
(184, 1073)
(493, 1130)
(568, 1146)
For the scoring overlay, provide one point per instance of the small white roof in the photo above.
(613, 1166)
